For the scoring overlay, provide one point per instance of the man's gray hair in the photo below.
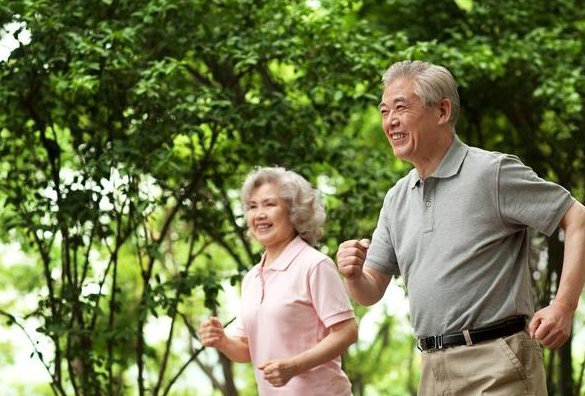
(432, 83)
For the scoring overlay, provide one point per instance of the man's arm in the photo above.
(551, 326)
(366, 285)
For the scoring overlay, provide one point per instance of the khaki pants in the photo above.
(509, 366)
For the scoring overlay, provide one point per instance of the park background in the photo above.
(127, 127)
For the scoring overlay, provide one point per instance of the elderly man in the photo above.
(456, 229)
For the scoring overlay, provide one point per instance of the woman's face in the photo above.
(268, 218)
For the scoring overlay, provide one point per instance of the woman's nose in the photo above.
(260, 214)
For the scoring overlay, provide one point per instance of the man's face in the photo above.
(407, 123)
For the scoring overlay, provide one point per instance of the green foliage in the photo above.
(370, 354)
(127, 127)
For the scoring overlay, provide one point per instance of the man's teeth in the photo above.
(396, 136)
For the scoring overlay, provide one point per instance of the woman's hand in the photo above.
(211, 333)
(279, 372)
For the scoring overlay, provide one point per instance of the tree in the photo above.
(127, 128)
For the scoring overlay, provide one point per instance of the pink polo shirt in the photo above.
(287, 308)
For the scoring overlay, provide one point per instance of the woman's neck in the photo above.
(272, 252)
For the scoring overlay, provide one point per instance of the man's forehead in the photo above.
(389, 101)
(398, 92)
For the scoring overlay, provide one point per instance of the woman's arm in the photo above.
(212, 334)
(342, 335)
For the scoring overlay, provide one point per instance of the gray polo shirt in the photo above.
(460, 238)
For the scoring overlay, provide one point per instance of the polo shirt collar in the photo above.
(452, 161)
(450, 164)
(413, 178)
(282, 262)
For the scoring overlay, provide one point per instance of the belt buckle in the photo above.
(436, 341)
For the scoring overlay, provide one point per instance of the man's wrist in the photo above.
(564, 305)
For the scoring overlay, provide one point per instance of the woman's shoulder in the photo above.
(313, 257)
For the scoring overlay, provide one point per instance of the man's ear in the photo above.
(444, 111)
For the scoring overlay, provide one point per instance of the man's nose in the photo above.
(394, 121)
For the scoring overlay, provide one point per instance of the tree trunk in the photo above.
(228, 375)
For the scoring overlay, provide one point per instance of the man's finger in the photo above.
(348, 243)
(543, 330)
(348, 270)
(350, 252)
(533, 325)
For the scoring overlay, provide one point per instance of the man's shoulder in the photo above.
(484, 159)
(481, 153)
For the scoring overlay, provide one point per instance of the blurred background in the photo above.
(127, 127)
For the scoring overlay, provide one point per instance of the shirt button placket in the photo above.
(428, 192)
(262, 285)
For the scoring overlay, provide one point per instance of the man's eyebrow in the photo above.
(399, 99)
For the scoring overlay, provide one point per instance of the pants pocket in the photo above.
(525, 355)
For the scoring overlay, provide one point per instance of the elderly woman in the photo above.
(296, 319)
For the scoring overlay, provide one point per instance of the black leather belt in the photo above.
(473, 336)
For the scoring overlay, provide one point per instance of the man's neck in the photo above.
(429, 165)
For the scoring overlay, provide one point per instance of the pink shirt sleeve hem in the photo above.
(338, 317)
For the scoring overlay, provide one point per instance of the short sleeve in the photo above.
(381, 254)
(527, 200)
(236, 328)
(328, 294)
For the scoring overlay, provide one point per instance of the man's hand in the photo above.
(278, 373)
(350, 258)
(551, 326)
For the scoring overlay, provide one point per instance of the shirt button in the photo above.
(428, 203)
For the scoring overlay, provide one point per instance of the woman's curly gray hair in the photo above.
(306, 210)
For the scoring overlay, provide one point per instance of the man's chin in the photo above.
(399, 153)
